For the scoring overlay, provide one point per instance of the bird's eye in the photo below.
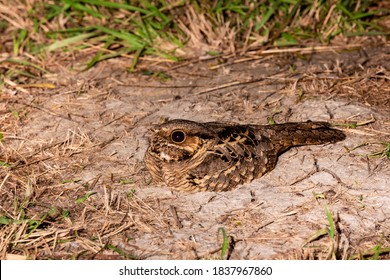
(178, 136)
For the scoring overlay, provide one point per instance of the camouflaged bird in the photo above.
(191, 156)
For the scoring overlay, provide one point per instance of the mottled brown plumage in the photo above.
(191, 156)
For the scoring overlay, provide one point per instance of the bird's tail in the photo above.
(298, 134)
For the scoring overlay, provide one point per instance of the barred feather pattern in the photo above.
(191, 156)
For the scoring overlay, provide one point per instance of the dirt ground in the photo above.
(73, 184)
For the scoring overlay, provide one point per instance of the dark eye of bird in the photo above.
(178, 136)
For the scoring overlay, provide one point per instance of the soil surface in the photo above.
(74, 159)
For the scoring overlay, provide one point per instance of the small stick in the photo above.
(175, 216)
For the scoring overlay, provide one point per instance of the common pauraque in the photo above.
(192, 156)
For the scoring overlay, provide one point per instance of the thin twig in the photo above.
(175, 216)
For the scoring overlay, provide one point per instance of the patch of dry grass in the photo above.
(38, 34)
(42, 215)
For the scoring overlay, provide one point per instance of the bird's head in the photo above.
(179, 140)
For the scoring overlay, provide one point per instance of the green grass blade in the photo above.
(87, 10)
(84, 198)
(114, 5)
(265, 18)
(135, 41)
(135, 59)
(332, 230)
(25, 63)
(344, 10)
(225, 242)
(5, 220)
(70, 41)
(319, 233)
(120, 252)
(153, 11)
(18, 40)
(100, 57)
